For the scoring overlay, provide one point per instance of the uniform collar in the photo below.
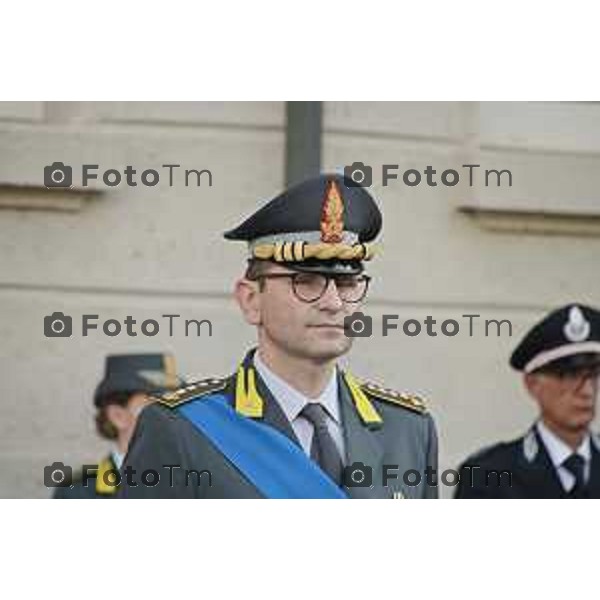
(558, 450)
(291, 400)
(117, 458)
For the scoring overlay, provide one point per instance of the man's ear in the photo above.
(531, 381)
(247, 295)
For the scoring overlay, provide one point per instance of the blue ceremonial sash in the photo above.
(266, 457)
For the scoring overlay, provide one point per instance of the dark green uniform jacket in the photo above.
(381, 427)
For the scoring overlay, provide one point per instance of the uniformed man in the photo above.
(128, 382)
(290, 423)
(559, 457)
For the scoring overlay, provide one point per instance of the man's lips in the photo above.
(583, 407)
(328, 326)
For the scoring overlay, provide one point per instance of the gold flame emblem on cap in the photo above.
(332, 215)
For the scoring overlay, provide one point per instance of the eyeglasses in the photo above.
(310, 287)
(576, 378)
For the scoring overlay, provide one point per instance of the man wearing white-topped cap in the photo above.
(559, 457)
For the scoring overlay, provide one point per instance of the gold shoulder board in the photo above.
(410, 401)
(193, 390)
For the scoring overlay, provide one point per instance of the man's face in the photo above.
(135, 405)
(311, 330)
(567, 401)
(124, 418)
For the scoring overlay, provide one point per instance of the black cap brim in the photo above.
(572, 364)
(328, 267)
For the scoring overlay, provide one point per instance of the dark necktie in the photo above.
(575, 464)
(323, 449)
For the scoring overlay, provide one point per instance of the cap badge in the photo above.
(577, 328)
(332, 215)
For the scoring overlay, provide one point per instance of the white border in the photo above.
(297, 549)
(266, 50)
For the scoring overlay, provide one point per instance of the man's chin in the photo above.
(581, 424)
(330, 349)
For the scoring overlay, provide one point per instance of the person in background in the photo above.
(559, 457)
(128, 384)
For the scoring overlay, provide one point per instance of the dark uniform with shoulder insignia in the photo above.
(249, 435)
(125, 376)
(562, 354)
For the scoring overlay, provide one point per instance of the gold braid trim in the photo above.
(299, 251)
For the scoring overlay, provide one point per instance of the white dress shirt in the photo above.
(292, 402)
(559, 452)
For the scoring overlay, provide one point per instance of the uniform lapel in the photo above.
(102, 488)
(594, 484)
(361, 446)
(273, 414)
(540, 476)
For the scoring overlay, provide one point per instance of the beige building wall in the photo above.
(504, 253)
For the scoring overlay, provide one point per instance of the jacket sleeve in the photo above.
(157, 462)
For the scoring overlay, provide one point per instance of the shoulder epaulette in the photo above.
(410, 401)
(192, 390)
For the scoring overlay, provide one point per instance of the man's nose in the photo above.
(331, 297)
(588, 385)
